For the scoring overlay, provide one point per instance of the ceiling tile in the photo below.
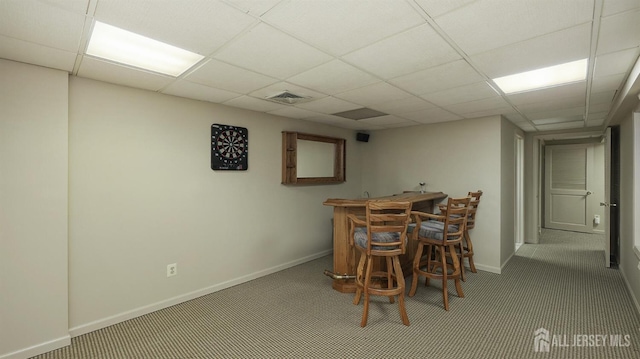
(380, 54)
(466, 93)
(515, 117)
(495, 25)
(385, 120)
(555, 113)
(438, 7)
(605, 83)
(548, 121)
(493, 111)
(328, 105)
(597, 116)
(344, 123)
(410, 104)
(188, 89)
(439, 78)
(77, 6)
(401, 124)
(338, 26)
(542, 110)
(42, 24)
(108, 72)
(550, 94)
(487, 104)
(374, 94)
(358, 125)
(31, 53)
(431, 115)
(415, 49)
(619, 32)
(252, 103)
(605, 97)
(272, 53)
(616, 6)
(218, 74)
(253, 7)
(293, 112)
(333, 77)
(561, 126)
(615, 62)
(525, 126)
(595, 123)
(547, 50)
(200, 26)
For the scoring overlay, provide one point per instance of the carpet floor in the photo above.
(559, 286)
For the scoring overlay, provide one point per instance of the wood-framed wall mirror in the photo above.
(312, 159)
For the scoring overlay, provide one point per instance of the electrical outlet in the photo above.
(172, 269)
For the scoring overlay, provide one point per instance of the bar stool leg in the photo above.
(401, 285)
(367, 282)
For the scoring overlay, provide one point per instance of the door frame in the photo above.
(537, 171)
(519, 227)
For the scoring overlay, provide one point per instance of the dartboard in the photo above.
(229, 147)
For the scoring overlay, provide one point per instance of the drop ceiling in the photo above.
(417, 61)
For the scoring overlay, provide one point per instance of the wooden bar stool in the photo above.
(381, 234)
(466, 245)
(443, 232)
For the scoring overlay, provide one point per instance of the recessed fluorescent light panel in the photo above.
(543, 78)
(114, 44)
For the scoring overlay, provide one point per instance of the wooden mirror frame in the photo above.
(290, 159)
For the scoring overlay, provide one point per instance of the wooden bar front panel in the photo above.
(345, 258)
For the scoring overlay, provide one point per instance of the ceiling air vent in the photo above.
(360, 113)
(288, 98)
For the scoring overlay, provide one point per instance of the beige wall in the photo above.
(452, 157)
(143, 195)
(33, 210)
(629, 137)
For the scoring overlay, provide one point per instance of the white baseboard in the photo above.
(38, 349)
(507, 261)
(118, 318)
(489, 269)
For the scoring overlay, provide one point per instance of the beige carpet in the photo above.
(560, 285)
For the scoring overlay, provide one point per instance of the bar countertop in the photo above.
(407, 196)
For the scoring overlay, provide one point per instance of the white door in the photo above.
(607, 197)
(567, 172)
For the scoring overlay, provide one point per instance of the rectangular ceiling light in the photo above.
(114, 44)
(543, 78)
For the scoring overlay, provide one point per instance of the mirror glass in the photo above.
(315, 159)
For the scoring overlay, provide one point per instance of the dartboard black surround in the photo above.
(229, 147)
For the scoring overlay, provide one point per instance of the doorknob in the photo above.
(604, 204)
(589, 192)
(613, 204)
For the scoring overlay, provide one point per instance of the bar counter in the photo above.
(345, 258)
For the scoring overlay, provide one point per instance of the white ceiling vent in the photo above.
(288, 98)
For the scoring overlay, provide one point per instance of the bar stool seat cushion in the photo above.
(360, 237)
(432, 229)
